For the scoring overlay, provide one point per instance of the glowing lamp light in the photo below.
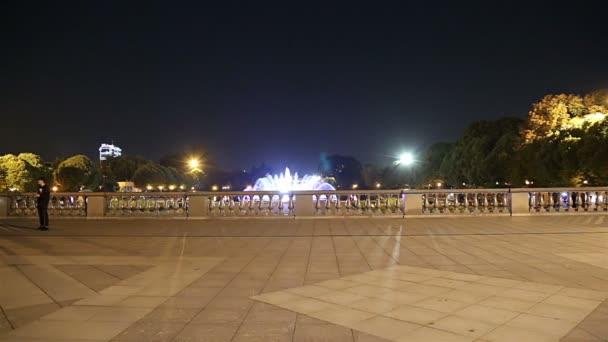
(355, 186)
(182, 187)
(55, 188)
(405, 159)
(194, 163)
(214, 188)
(149, 187)
(160, 187)
(378, 185)
(171, 187)
(439, 184)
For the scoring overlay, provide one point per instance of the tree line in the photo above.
(562, 142)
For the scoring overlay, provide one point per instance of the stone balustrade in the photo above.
(364, 203)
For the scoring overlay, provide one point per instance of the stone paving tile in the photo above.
(122, 271)
(5, 325)
(150, 332)
(66, 330)
(90, 276)
(322, 333)
(23, 315)
(468, 309)
(497, 267)
(207, 333)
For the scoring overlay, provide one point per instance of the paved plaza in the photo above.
(539, 278)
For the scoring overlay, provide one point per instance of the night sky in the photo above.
(282, 83)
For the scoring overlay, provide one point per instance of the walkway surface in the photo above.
(339, 280)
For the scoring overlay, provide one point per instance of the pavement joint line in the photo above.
(304, 236)
(38, 286)
(75, 279)
(251, 307)
(6, 317)
(217, 294)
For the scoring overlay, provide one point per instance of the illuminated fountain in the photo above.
(286, 182)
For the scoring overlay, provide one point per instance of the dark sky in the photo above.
(282, 83)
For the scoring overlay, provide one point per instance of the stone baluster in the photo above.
(291, 205)
(251, 207)
(317, 203)
(222, 206)
(329, 208)
(280, 205)
(585, 200)
(243, 204)
(338, 205)
(260, 206)
(596, 201)
(348, 204)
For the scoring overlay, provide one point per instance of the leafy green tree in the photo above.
(484, 155)
(564, 141)
(429, 167)
(122, 168)
(148, 174)
(156, 175)
(346, 170)
(74, 173)
(21, 171)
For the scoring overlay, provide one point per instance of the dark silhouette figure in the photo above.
(43, 197)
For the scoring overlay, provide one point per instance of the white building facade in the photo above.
(109, 151)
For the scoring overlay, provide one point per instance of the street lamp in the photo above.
(194, 163)
(405, 159)
(195, 168)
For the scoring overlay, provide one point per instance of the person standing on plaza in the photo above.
(43, 197)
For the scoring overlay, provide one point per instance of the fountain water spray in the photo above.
(286, 182)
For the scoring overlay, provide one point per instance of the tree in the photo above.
(553, 114)
(21, 171)
(564, 141)
(122, 168)
(148, 174)
(156, 175)
(484, 155)
(74, 173)
(431, 161)
(346, 170)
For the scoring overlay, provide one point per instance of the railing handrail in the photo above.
(320, 192)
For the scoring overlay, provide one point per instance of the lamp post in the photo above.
(406, 159)
(195, 168)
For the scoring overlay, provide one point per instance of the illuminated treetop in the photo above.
(555, 115)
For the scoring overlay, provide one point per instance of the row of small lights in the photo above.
(170, 187)
(224, 187)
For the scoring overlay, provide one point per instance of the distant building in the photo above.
(109, 151)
